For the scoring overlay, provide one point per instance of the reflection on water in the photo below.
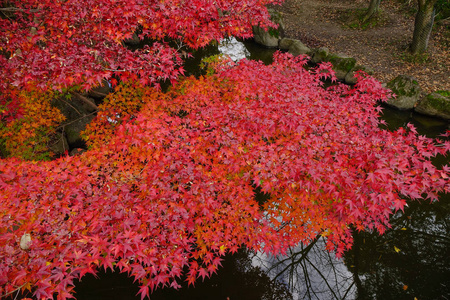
(431, 127)
(410, 261)
(233, 49)
(310, 272)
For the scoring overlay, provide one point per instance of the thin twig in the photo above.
(65, 124)
(14, 9)
(348, 290)
(17, 289)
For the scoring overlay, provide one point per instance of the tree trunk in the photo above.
(373, 9)
(422, 26)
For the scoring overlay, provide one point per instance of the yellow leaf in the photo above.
(397, 249)
(222, 249)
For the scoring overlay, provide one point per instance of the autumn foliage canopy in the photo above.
(167, 185)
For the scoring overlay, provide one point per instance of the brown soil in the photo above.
(382, 47)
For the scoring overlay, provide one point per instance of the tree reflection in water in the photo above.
(409, 261)
(311, 272)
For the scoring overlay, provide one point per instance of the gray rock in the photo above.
(407, 91)
(270, 37)
(434, 104)
(266, 38)
(350, 77)
(319, 55)
(295, 47)
(25, 241)
(342, 64)
(285, 43)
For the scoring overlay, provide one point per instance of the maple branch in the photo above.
(65, 124)
(123, 70)
(14, 9)
(98, 93)
(74, 108)
(433, 237)
(61, 138)
(85, 100)
(9, 293)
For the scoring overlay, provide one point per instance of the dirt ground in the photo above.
(382, 47)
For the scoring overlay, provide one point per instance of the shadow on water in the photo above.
(425, 125)
(410, 261)
(237, 279)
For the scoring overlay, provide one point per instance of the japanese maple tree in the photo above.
(76, 44)
(168, 188)
(167, 185)
(80, 42)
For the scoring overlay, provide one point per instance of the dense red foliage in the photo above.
(172, 185)
(79, 42)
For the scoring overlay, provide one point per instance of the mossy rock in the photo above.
(285, 43)
(350, 77)
(269, 38)
(295, 47)
(435, 104)
(277, 18)
(319, 55)
(73, 130)
(407, 92)
(264, 38)
(342, 64)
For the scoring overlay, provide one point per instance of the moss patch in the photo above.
(341, 63)
(438, 102)
(444, 93)
(400, 87)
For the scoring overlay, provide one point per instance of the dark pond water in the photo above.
(410, 261)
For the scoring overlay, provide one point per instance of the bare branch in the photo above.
(15, 9)
(85, 100)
